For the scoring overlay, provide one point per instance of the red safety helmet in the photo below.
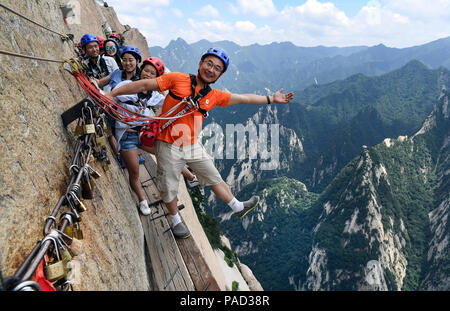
(157, 63)
(101, 42)
(115, 36)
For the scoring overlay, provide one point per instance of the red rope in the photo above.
(109, 105)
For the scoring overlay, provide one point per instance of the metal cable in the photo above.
(30, 57)
(31, 21)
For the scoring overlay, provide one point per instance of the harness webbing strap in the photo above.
(202, 93)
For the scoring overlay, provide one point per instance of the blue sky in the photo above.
(395, 23)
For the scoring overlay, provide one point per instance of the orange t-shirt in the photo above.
(184, 131)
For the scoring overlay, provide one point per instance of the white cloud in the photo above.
(420, 9)
(245, 26)
(261, 8)
(396, 23)
(208, 11)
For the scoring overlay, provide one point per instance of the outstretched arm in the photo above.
(135, 87)
(253, 99)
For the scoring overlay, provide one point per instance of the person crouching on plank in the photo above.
(177, 144)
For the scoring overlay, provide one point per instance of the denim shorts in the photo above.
(129, 141)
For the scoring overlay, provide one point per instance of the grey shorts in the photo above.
(170, 161)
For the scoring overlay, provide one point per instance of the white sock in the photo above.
(176, 219)
(236, 205)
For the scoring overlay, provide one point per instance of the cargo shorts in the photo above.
(170, 161)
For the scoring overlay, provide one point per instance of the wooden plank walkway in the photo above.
(177, 264)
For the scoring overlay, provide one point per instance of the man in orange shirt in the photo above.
(177, 144)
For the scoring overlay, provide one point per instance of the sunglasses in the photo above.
(110, 48)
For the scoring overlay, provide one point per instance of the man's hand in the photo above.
(279, 98)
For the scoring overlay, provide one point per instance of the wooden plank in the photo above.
(194, 264)
(198, 269)
(155, 247)
(179, 277)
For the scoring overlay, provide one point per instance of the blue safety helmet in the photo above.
(220, 53)
(87, 38)
(131, 49)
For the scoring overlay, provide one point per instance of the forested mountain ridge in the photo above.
(381, 224)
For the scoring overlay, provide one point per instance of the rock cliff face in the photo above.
(373, 231)
(36, 151)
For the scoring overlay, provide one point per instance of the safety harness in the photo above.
(150, 131)
(195, 99)
(93, 70)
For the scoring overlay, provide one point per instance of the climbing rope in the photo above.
(115, 110)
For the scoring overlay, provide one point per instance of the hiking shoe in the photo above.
(144, 208)
(192, 183)
(180, 231)
(248, 206)
(120, 160)
(141, 160)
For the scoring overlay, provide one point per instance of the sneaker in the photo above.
(180, 231)
(248, 206)
(192, 183)
(141, 160)
(120, 160)
(144, 208)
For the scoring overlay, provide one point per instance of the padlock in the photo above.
(78, 233)
(100, 138)
(56, 270)
(64, 244)
(79, 206)
(68, 230)
(66, 255)
(89, 126)
(79, 130)
(94, 173)
(87, 187)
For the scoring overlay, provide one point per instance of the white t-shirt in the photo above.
(156, 100)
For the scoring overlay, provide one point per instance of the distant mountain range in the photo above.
(255, 68)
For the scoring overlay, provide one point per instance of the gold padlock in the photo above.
(87, 188)
(79, 206)
(94, 173)
(89, 128)
(54, 271)
(100, 140)
(69, 231)
(79, 130)
(78, 233)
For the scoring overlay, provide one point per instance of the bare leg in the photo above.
(113, 143)
(172, 206)
(223, 192)
(130, 158)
